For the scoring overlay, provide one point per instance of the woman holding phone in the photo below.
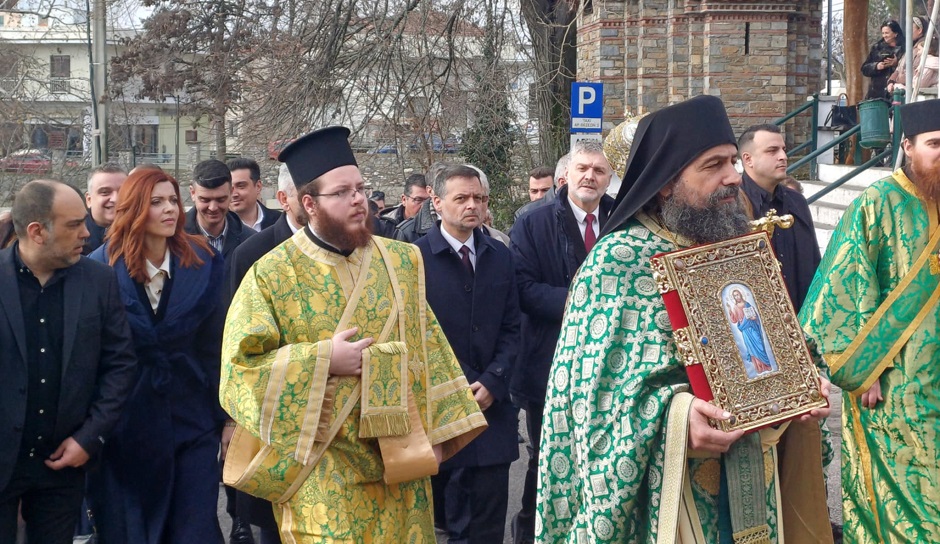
(883, 60)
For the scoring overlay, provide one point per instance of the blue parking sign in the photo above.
(587, 107)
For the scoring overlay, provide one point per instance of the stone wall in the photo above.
(761, 57)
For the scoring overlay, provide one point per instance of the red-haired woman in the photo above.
(158, 479)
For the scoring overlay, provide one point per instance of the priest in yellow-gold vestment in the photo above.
(873, 311)
(332, 360)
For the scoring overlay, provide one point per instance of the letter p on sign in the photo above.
(586, 96)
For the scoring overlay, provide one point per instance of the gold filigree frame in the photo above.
(700, 275)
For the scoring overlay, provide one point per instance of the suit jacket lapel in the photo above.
(10, 300)
(72, 292)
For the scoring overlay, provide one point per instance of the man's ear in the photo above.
(34, 232)
(746, 158)
(907, 146)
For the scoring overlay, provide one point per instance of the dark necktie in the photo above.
(465, 258)
(589, 236)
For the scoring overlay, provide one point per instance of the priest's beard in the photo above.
(926, 176)
(340, 233)
(715, 222)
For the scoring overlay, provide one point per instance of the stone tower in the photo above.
(761, 57)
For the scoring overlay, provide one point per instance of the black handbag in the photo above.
(842, 117)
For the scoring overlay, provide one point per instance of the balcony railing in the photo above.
(59, 86)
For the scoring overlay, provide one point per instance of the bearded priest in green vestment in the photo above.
(336, 367)
(872, 308)
(628, 454)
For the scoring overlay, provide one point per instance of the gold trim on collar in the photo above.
(655, 225)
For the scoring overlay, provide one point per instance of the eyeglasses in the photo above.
(418, 199)
(344, 193)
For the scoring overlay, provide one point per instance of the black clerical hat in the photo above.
(920, 117)
(316, 153)
(666, 142)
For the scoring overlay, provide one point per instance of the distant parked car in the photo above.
(433, 142)
(452, 144)
(387, 149)
(30, 161)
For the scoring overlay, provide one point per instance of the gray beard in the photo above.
(713, 223)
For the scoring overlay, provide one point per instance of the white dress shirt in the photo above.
(158, 277)
(580, 215)
(457, 244)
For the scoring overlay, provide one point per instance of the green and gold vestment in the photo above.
(276, 384)
(890, 457)
(614, 466)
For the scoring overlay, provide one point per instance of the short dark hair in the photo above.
(33, 204)
(540, 172)
(311, 188)
(453, 171)
(106, 168)
(211, 173)
(244, 163)
(752, 131)
(377, 195)
(415, 180)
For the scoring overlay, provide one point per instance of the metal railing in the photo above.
(842, 181)
(813, 105)
(810, 159)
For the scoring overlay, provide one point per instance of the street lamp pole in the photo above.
(176, 154)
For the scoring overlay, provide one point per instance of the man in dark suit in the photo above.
(471, 288)
(764, 157)
(293, 219)
(248, 510)
(549, 243)
(67, 364)
(211, 192)
(246, 195)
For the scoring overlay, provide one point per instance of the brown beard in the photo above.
(926, 177)
(713, 223)
(342, 235)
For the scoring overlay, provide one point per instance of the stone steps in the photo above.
(829, 209)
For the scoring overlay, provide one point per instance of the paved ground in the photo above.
(517, 475)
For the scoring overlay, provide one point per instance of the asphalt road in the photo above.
(517, 475)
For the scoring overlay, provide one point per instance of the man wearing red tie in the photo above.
(548, 245)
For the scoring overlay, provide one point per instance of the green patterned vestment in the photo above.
(276, 384)
(890, 457)
(615, 374)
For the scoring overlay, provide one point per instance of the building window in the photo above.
(60, 70)
(192, 136)
(61, 66)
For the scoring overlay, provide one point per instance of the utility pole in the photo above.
(99, 66)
